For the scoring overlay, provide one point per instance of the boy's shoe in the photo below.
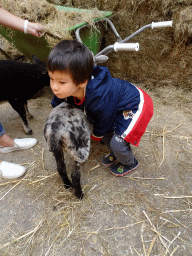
(108, 160)
(19, 145)
(10, 170)
(119, 169)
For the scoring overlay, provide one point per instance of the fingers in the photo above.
(35, 29)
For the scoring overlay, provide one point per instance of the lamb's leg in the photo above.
(61, 167)
(75, 175)
(27, 112)
(19, 107)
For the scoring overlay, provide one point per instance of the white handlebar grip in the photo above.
(161, 24)
(126, 46)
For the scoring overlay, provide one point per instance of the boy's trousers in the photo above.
(120, 148)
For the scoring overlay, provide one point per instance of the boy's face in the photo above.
(63, 86)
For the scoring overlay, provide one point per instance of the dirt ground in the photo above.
(147, 212)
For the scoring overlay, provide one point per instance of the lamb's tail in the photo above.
(54, 140)
(80, 146)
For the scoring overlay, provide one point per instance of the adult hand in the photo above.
(35, 29)
(12, 21)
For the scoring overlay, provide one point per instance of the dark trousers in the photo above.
(120, 148)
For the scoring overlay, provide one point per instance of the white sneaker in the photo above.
(11, 171)
(19, 145)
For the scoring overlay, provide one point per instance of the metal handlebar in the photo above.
(126, 47)
(161, 24)
(122, 45)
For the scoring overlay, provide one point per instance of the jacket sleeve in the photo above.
(96, 138)
(101, 113)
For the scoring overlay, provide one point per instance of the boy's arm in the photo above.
(102, 116)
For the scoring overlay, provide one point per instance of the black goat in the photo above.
(67, 129)
(20, 82)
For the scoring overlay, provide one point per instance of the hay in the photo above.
(153, 228)
(9, 49)
(32, 233)
(163, 58)
(183, 26)
(56, 22)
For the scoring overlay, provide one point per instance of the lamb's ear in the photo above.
(41, 64)
(36, 60)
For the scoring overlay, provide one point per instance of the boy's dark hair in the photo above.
(73, 57)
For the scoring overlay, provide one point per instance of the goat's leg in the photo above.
(61, 167)
(76, 175)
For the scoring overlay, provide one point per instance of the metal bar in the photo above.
(106, 50)
(136, 33)
(77, 32)
(113, 29)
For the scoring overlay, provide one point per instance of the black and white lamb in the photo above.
(67, 129)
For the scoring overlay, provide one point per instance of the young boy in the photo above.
(118, 110)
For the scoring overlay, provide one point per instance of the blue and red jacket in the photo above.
(112, 104)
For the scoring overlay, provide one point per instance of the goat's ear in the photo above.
(40, 63)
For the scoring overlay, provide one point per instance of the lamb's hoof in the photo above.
(29, 116)
(79, 195)
(28, 131)
(68, 185)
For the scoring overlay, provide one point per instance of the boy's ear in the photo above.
(84, 84)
